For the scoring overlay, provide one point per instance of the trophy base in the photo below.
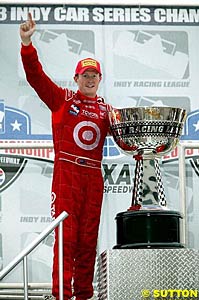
(148, 229)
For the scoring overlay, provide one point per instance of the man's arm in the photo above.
(46, 89)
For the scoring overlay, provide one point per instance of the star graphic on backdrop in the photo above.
(196, 126)
(16, 125)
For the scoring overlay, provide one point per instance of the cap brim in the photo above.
(88, 68)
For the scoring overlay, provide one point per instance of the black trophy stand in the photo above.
(151, 227)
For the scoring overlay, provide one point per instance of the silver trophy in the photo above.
(147, 134)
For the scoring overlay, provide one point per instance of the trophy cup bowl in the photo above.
(147, 134)
(147, 131)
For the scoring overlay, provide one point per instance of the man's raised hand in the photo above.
(27, 29)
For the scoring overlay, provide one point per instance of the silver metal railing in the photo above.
(36, 291)
(23, 256)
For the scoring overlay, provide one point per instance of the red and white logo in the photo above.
(86, 135)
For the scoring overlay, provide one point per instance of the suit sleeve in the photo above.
(47, 90)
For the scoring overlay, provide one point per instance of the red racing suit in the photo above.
(80, 125)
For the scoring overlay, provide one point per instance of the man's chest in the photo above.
(78, 110)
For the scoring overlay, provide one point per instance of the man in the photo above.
(80, 124)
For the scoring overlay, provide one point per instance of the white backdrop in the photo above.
(149, 56)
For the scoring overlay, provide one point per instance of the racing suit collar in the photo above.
(86, 99)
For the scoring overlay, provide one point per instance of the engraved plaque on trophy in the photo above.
(147, 134)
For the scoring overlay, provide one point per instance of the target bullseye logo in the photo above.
(86, 135)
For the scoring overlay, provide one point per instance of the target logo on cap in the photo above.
(86, 135)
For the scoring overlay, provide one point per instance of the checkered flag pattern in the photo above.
(138, 183)
(160, 187)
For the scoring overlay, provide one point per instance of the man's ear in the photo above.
(75, 78)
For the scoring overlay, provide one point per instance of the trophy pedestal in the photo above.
(125, 274)
(148, 229)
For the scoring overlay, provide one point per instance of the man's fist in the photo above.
(27, 29)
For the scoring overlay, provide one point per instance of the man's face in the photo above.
(88, 82)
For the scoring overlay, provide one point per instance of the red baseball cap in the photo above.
(87, 63)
